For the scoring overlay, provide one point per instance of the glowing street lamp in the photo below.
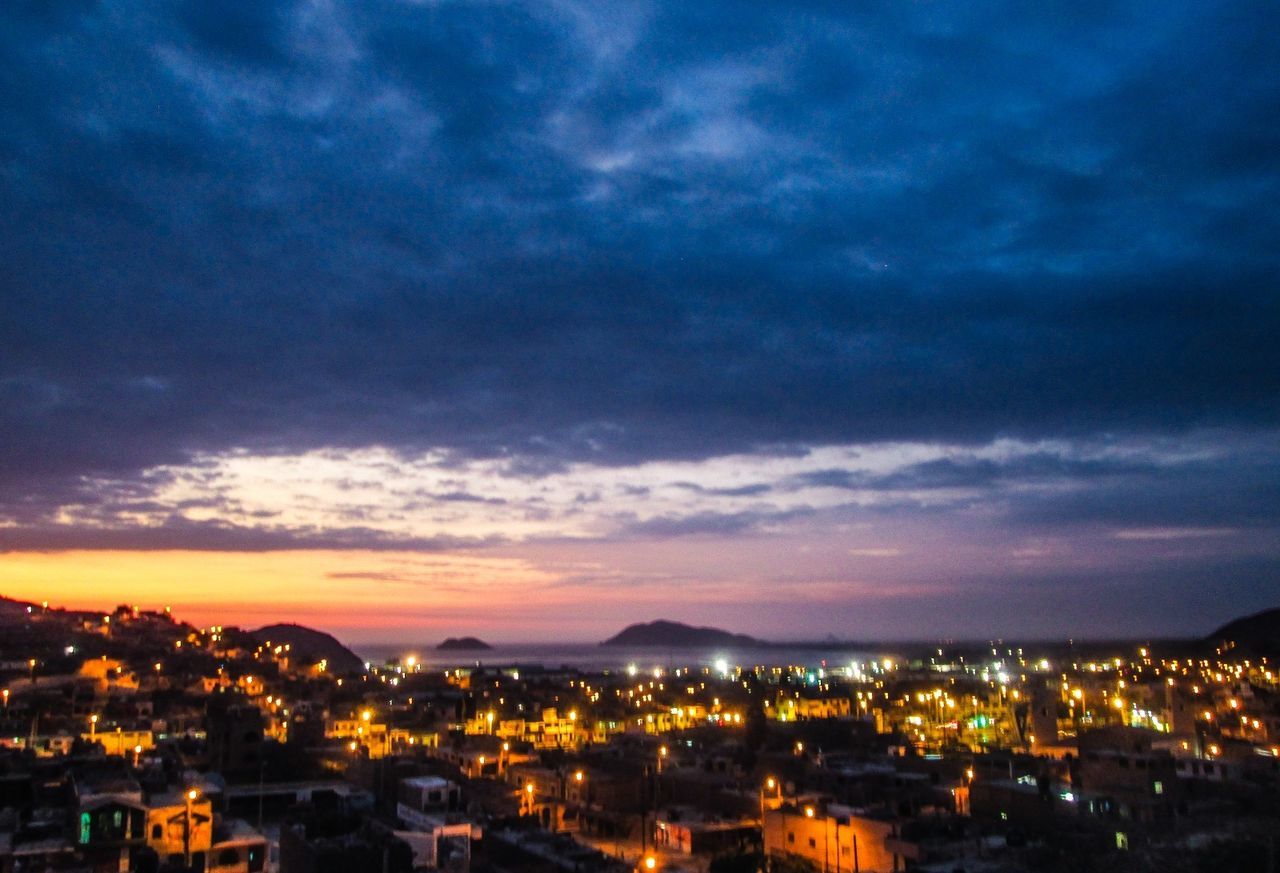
(191, 795)
(93, 727)
(771, 785)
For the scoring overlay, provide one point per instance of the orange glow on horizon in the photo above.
(322, 588)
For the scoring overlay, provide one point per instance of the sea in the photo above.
(596, 658)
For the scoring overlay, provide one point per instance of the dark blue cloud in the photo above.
(615, 233)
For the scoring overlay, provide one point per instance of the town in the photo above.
(134, 741)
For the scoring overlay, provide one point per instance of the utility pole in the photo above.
(262, 771)
(191, 795)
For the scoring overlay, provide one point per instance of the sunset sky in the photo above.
(530, 320)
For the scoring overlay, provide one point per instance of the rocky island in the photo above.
(675, 635)
(463, 644)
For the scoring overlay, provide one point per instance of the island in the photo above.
(463, 644)
(674, 635)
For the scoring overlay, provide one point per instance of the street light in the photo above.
(770, 783)
(93, 727)
(191, 795)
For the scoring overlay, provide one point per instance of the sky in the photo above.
(883, 320)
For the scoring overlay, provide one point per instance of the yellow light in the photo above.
(137, 750)
(506, 747)
(1117, 703)
(528, 788)
(809, 811)
(662, 750)
(192, 794)
(771, 783)
(578, 776)
(650, 862)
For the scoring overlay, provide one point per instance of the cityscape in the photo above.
(639, 436)
(133, 740)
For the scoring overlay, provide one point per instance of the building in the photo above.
(834, 839)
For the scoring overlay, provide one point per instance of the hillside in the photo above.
(674, 635)
(312, 645)
(1257, 634)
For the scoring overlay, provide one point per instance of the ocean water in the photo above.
(586, 656)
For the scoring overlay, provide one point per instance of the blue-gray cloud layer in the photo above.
(615, 232)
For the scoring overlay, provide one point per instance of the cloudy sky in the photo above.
(879, 320)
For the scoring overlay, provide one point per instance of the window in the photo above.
(813, 844)
(1158, 787)
(791, 838)
(228, 858)
(157, 831)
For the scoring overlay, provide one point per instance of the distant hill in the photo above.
(10, 608)
(1257, 634)
(674, 635)
(312, 645)
(462, 644)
